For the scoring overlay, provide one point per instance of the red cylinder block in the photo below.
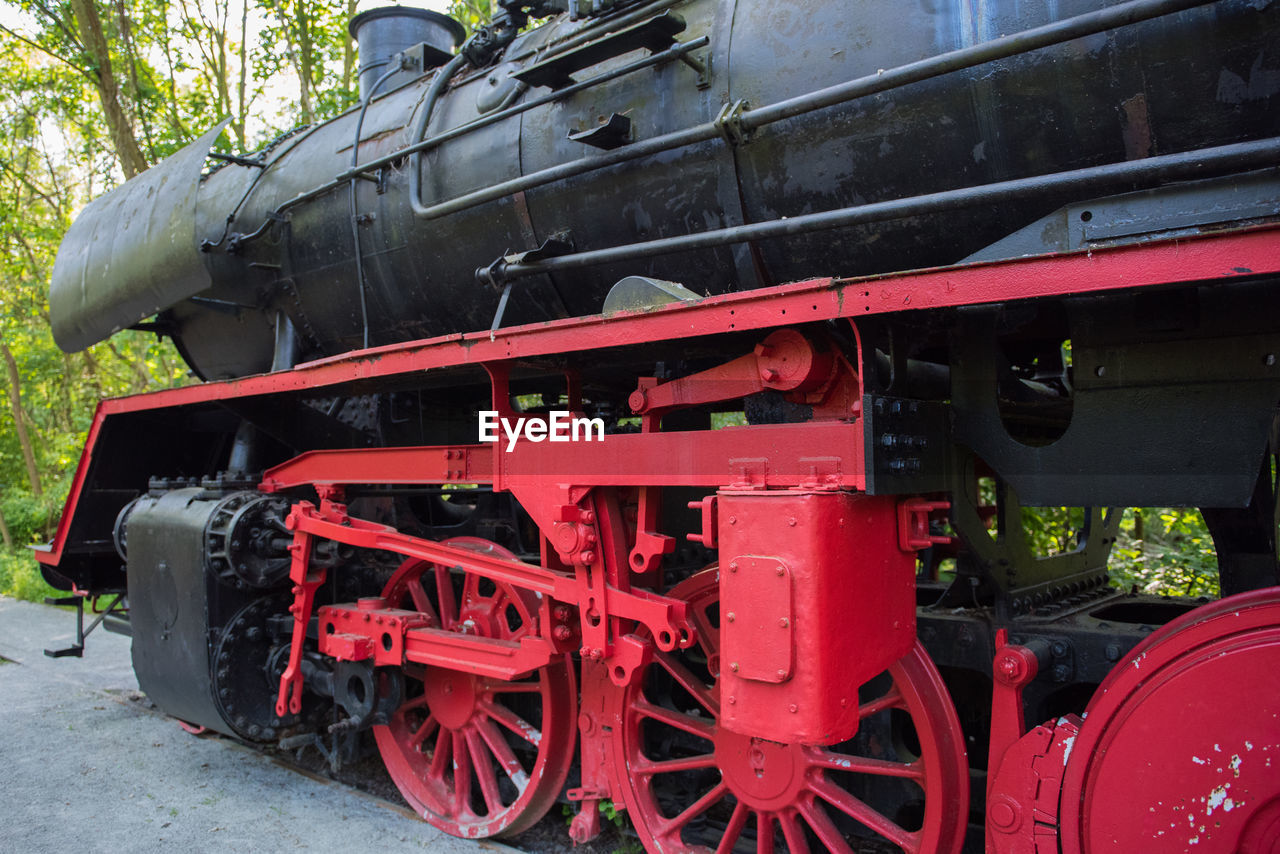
(816, 597)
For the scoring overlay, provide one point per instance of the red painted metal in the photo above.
(1246, 252)
(817, 597)
(1180, 747)
(772, 455)
(785, 361)
(1022, 804)
(734, 792)
(663, 615)
(597, 720)
(474, 755)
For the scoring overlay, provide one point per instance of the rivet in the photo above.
(784, 622)
(782, 674)
(732, 700)
(733, 520)
(779, 571)
(733, 567)
(732, 616)
(793, 708)
(792, 521)
(734, 667)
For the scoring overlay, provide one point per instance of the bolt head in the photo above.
(733, 666)
(1003, 815)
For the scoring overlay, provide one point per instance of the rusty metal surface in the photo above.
(132, 252)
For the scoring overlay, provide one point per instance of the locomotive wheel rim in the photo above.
(1208, 787)
(476, 756)
(787, 790)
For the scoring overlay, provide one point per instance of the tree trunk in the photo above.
(4, 531)
(122, 138)
(19, 422)
(349, 54)
(239, 122)
(305, 60)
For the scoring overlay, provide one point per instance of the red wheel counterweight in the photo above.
(1180, 747)
(476, 756)
(691, 786)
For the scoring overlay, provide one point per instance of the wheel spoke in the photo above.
(823, 827)
(687, 723)
(708, 635)
(865, 815)
(689, 682)
(792, 832)
(461, 774)
(444, 594)
(891, 700)
(482, 762)
(423, 732)
(696, 809)
(420, 601)
(440, 757)
(764, 833)
(413, 703)
(737, 821)
(512, 721)
(502, 752)
(674, 766)
(866, 765)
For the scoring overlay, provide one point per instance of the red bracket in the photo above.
(650, 545)
(708, 506)
(913, 524)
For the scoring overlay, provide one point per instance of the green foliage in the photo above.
(471, 13)
(20, 577)
(175, 69)
(1162, 550)
(1165, 551)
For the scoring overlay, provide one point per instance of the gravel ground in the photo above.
(88, 766)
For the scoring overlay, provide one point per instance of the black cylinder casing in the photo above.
(1193, 79)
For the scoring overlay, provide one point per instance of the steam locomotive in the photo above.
(835, 291)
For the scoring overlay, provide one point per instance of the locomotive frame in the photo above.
(740, 631)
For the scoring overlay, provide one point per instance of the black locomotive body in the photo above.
(789, 598)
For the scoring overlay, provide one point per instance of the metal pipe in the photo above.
(1170, 167)
(424, 118)
(675, 52)
(355, 181)
(1000, 48)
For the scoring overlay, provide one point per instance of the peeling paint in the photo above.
(1217, 797)
(1066, 752)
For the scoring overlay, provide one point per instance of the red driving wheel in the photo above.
(476, 756)
(901, 784)
(1180, 747)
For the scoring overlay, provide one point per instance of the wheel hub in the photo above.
(451, 696)
(764, 774)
